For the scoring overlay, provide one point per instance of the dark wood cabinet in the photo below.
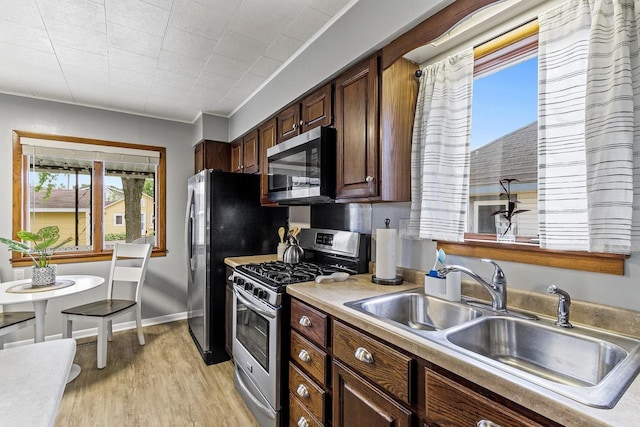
(357, 131)
(374, 123)
(267, 135)
(357, 403)
(237, 163)
(317, 109)
(288, 123)
(212, 155)
(309, 366)
(342, 376)
(245, 153)
(449, 403)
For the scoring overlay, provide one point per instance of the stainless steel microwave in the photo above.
(302, 170)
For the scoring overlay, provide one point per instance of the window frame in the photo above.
(20, 211)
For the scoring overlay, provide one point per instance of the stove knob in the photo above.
(256, 292)
(262, 294)
(248, 286)
(239, 280)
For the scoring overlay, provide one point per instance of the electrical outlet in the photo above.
(403, 228)
(18, 273)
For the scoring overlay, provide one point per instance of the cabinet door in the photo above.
(288, 123)
(451, 404)
(250, 152)
(212, 155)
(317, 109)
(357, 129)
(356, 403)
(267, 136)
(236, 156)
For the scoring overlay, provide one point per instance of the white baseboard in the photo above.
(92, 332)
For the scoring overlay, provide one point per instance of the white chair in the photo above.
(103, 312)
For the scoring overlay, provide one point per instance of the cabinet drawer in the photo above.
(451, 404)
(383, 365)
(299, 416)
(309, 322)
(313, 360)
(307, 392)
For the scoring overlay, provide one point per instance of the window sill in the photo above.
(71, 258)
(527, 254)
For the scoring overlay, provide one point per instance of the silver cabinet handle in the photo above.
(302, 422)
(486, 423)
(369, 178)
(302, 391)
(364, 355)
(305, 321)
(304, 356)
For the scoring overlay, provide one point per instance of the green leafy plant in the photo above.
(511, 210)
(44, 244)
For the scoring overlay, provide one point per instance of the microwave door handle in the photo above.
(254, 307)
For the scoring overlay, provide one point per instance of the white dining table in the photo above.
(39, 299)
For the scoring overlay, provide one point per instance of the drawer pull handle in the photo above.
(302, 422)
(369, 178)
(363, 355)
(486, 423)
(305, 321)
(302, 391)
(304, 356)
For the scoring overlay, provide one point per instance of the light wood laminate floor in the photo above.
(163, 383)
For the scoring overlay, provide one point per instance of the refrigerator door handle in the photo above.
(188, 232)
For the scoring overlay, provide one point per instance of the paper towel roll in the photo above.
(386, 253)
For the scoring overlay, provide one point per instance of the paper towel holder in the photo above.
(378, 281)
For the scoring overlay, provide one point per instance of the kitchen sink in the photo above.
(590, 366)
(593, 367)
(415, 311)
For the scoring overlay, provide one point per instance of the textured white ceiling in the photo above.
(162, 58)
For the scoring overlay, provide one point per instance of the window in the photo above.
(505, 81)
(97, 192)
(504, 141)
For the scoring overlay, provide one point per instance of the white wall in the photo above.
(362, 30)
(617, 291)
(165, 290)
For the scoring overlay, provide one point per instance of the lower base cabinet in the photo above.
(356, 403)
(350, 378)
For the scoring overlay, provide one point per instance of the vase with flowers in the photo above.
(505, 218)
(40, 246)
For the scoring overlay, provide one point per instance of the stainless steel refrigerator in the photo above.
(224, 219)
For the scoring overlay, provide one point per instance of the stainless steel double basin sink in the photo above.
(590, 366)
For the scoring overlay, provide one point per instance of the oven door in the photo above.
(256, 346)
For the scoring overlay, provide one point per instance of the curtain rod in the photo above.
(517, 34)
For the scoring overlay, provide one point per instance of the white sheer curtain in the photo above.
(440, 149)
(589, 126)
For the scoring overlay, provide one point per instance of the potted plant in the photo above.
(44, 245)
(505, 225)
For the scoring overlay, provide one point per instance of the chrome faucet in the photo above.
(564, 302)
(497, 288)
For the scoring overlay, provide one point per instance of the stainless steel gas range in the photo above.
(260, 316)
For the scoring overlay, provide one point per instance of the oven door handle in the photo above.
(254, 307)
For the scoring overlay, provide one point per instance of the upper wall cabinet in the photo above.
(374, 121)
(267, 135)
(245, 153)
(212, 155)
(314, 110)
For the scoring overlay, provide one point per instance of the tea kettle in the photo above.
(294, 253)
